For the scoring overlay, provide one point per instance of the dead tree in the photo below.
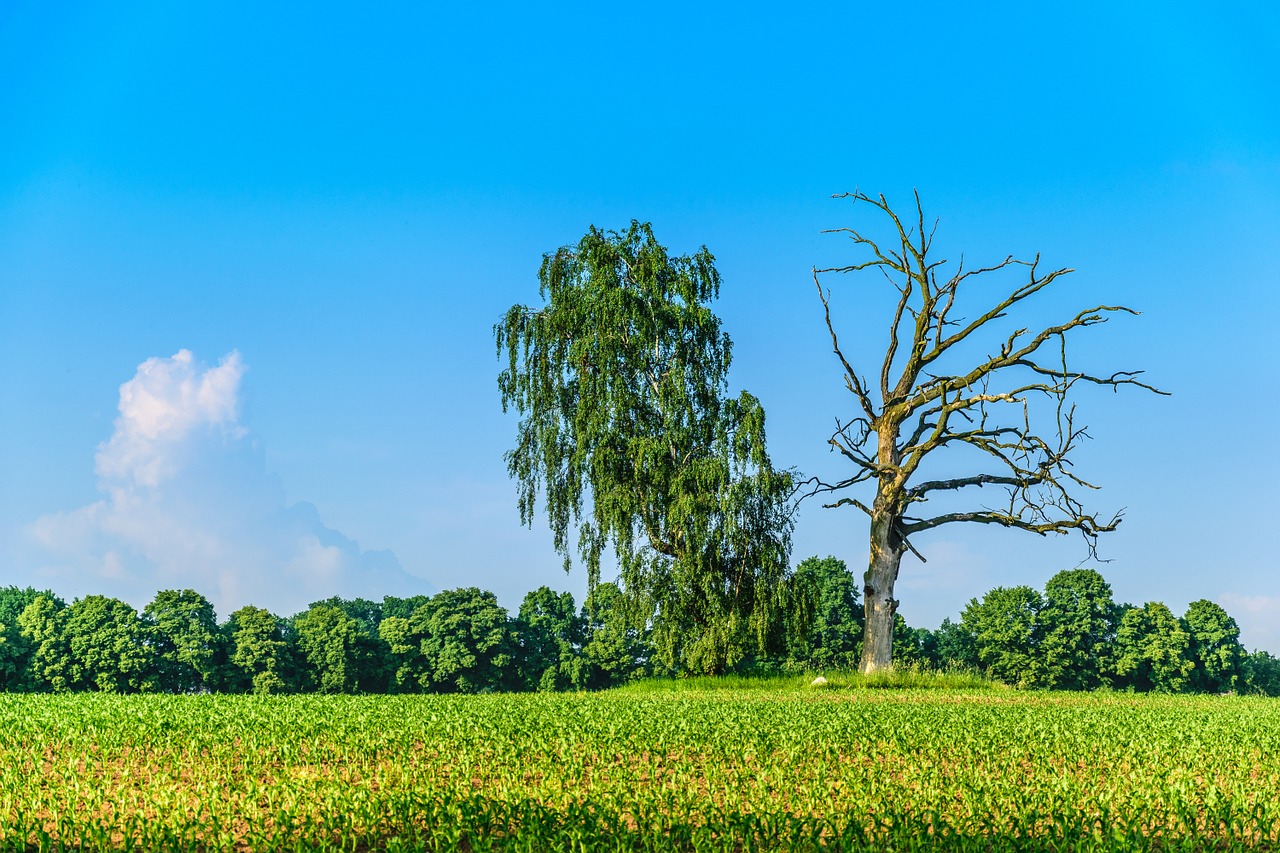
(1010, 409)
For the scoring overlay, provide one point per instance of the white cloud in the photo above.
(188, 502)
(160, 407)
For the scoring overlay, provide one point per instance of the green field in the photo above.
(779, 766)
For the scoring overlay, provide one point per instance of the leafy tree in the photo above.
(626, 427)
(15, 649)
(329, 641)
(1260, 673)
(108, 646)
(1077, 623)
(939, 392)
(953, 646)
(1151, 650)
(369, 655)
(42, 625)
(614, 651)
(404, 662)
(1005, 634)
(367, 613)
(549, 633)
(1214, 647)
(185, 640)
(259, 659)
(402, 607)
(458, 642)
(829, 631)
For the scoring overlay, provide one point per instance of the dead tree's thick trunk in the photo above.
(879, 605)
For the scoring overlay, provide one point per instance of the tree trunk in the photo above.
(879, 605)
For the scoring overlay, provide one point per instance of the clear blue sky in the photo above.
(286, 231)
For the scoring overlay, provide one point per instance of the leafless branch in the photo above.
(970, 408)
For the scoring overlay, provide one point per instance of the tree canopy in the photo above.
(1071, 636)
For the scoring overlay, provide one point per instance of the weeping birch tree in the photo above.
(621, 382)
(992, 403)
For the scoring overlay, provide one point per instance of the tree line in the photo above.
(1071, 636)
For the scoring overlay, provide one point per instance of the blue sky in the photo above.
(250, 259)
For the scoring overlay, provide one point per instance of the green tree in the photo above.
(614, 651)
(1003, 403)
(402, 607)
(259, 659)
(458, 642)
(1005, 634)
(367, 613)
(1214, 647)
(16, 650)
(828, 631)
(549, 635)
(405, 665)
(109, 646)
(1260, 673)
(370, 657)
(1077, 623)
(42, 625)
(404, 637)
(329, 641)
(1151, 650)
(953, 646)
(185, 640)
(627, 428)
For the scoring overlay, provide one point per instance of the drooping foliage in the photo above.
(614, 650)
(628, 430)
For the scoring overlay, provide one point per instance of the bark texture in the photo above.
(879, 605)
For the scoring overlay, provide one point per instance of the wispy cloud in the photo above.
(188, 502)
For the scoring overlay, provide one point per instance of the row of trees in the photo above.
(1072, 636)
(459, 640)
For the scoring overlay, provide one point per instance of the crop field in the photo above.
(765, 768)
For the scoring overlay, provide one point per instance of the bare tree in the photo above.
(1010, 410)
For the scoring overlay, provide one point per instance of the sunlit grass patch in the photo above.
(731, 764)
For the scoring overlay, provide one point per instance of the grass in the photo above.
(910, 678)
(717, 765)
